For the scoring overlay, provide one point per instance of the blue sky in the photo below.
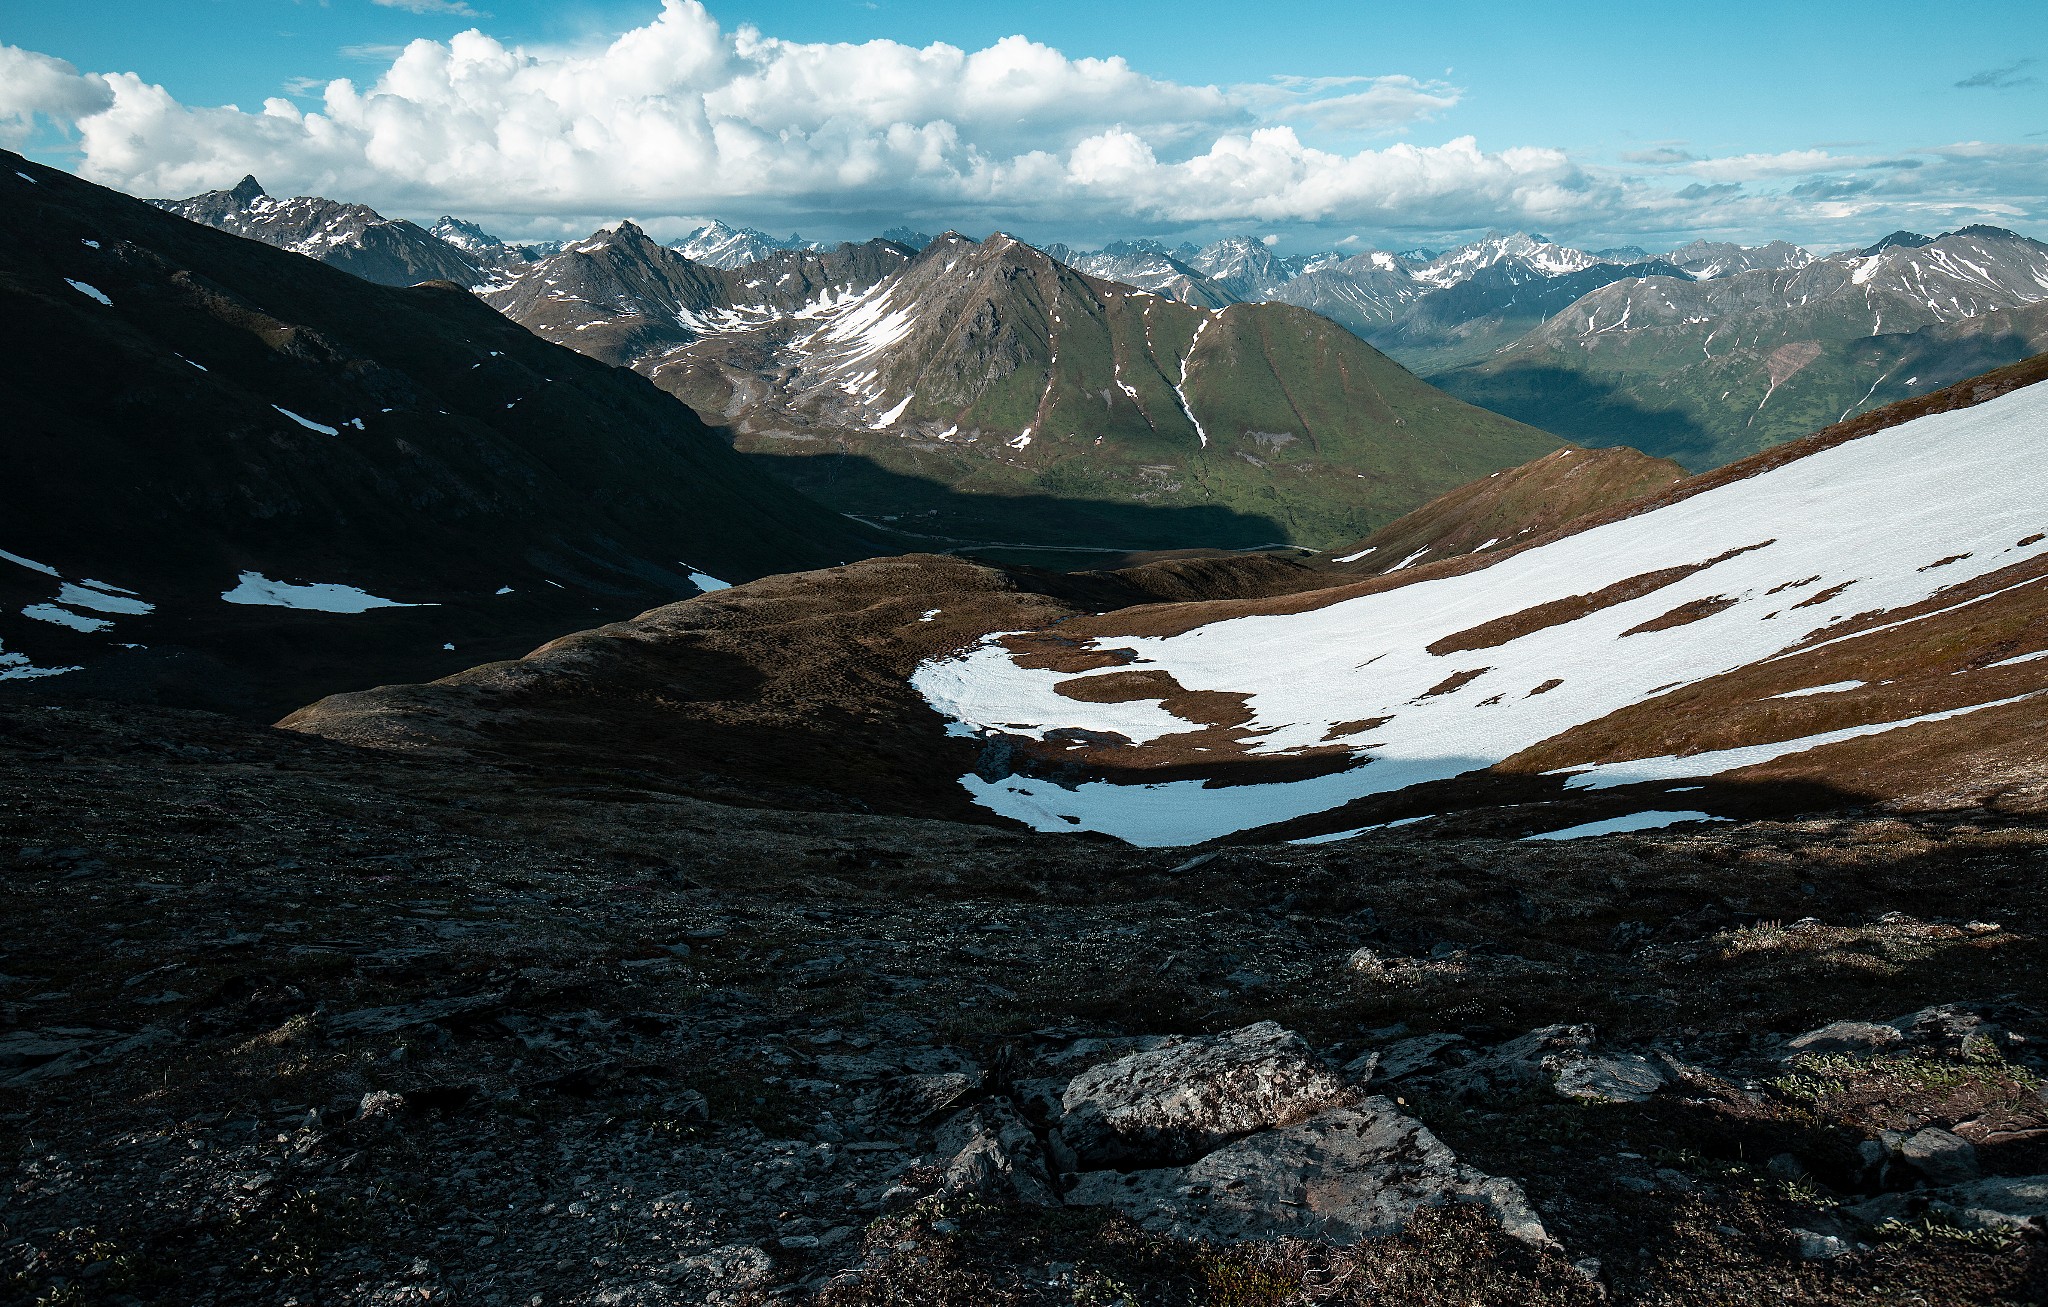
(1825, 122)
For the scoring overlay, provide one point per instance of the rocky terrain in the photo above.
(290, 1021)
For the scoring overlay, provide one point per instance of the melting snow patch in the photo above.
(1966, 482)
(1335, 836)
(30, 564)
(1352, 558)
(1607, 775)
(930, 616)
(2023, 658)
(91, 291)
(308, 423)
(1834, 687)
(705, 582)
(503, 590)
(1634, 821)
(256, 589)
(33, 182)
(17, 667)
(80, 596)
(65, 617)
(89, 244)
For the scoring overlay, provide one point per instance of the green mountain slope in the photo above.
(1706, 372)
(988, 392)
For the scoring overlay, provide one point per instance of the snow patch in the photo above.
(80, 596)
(1352, 558)
(1966, 482)
(1634, 821)
(1833, 687)
(308, 423)
(65, 617)
(30, 564)
(256, 589)
(90, 291)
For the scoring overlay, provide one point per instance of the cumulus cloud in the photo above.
(35, 85)
(682, 116)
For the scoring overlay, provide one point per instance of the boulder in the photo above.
(1944, 1158)
(1340, 1176)
(1172, 1104)
(994, 1155)
(1563, 1057)
(2000, 1203)
(1420, 1054)
(1844, 1037)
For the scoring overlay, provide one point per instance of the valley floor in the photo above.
(283, 1021)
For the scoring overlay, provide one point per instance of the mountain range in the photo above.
(234, 472)
(1704, 354)
(983, 391)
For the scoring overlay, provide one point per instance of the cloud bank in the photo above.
(681, 116)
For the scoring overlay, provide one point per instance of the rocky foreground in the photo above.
(284, 1021)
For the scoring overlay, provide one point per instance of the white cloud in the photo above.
(1355, 104)
(35, 85)
(681, 116)
(456, 7)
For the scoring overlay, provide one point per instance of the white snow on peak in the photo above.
(308, 423)
(1858, 523)
(254, 588)
(90, 291)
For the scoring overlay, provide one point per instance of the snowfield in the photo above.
(1873, 524)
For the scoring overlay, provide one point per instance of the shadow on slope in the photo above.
(932, 515)
(1586, 410)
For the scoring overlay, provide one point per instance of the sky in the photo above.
(1366, 125)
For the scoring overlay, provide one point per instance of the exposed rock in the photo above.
(1343, 1175)
(1173, 1104)
(1563, 1057)
(2003, 1202)
(1421, 1053)
(1951, 1028)
(994, 1155)
(28, 1056)
(1943, 1158)
(1627, 1078)
(1844, 1037)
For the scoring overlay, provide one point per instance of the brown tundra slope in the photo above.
(1844, 621)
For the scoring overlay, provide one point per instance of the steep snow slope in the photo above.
(1408, 684)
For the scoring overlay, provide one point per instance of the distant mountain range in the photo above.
(1706, 371)
(984, 391)
(1704, 353)
(236, 477)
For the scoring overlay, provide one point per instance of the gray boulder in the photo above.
(994, 1155)
(2000, 1203)
(1944, 1158)
(1174, 1103)
(1562, 1057)
(1341, 1176)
